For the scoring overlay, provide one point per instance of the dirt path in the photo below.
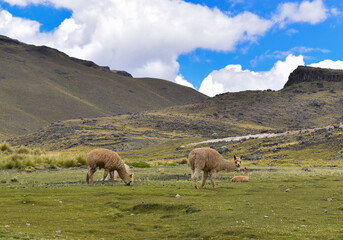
(264, 135)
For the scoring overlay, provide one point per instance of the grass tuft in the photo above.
(140, 164)
(6, 148)
(23, 150)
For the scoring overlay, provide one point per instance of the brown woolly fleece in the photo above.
(210, 161)
(109, 161)
(241, 178)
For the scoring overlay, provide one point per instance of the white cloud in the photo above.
(328, 64)
(233, 79)
(18, 27)
(311, 12)
(144, 37)
(182, 81)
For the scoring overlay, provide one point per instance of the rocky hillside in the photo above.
(315, 75)
(301, 105)
(40, 85)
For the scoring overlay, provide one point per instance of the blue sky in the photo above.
(214, 46)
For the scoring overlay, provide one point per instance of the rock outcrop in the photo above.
(312, 74)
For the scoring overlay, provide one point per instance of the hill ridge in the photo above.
(48, 84)
(314, 74)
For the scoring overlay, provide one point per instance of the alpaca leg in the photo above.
(90, 174)
(213, 176)
(105, 175)
(112, 177)
(204, 177)
(195, 177)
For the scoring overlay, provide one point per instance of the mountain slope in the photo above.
(300, 105)
(40, 85)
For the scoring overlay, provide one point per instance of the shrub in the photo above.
(81, 159)
(5, 147)
(15, 161)
(170, 163)
(183, 161)
(69, 163)
(37, 151)
(140, 164)
(23, 150)
(9, 164)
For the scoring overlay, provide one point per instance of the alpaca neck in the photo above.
(123, 174)
(226, 165)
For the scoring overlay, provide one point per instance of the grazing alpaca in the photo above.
(210, 161)
(109, 161)
(241, 178)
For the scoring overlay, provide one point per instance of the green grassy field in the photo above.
(58, 204)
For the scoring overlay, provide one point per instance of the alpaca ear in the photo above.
(234, 157)
(131, 174)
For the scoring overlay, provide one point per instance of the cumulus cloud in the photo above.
(18, 27)
(144, 37)
(233, 79)
(328, 64)
(182, 81)
(311, 12)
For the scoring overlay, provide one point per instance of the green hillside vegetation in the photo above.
(40, 85)
(323, 147)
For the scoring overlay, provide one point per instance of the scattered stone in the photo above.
(28, 224)
(287, 190)
(329, 199)
(223, 149)
(303, 226)
(58, 232)
(214, 135)
(132, 214)
(178, 196)
(325, 211)
(316, 103)
(7, 226)
(320, 85)
(277, 149)
(14, 180)
(306, 169)
(266, 216)
(60, 202)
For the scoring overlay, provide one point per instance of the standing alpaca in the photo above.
(241, 178)
(210, 161)
(109, 161)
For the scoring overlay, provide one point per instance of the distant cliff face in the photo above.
(311, 74)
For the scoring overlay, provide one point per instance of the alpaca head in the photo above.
(126, 176)
(130, 179)
(238, 161)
